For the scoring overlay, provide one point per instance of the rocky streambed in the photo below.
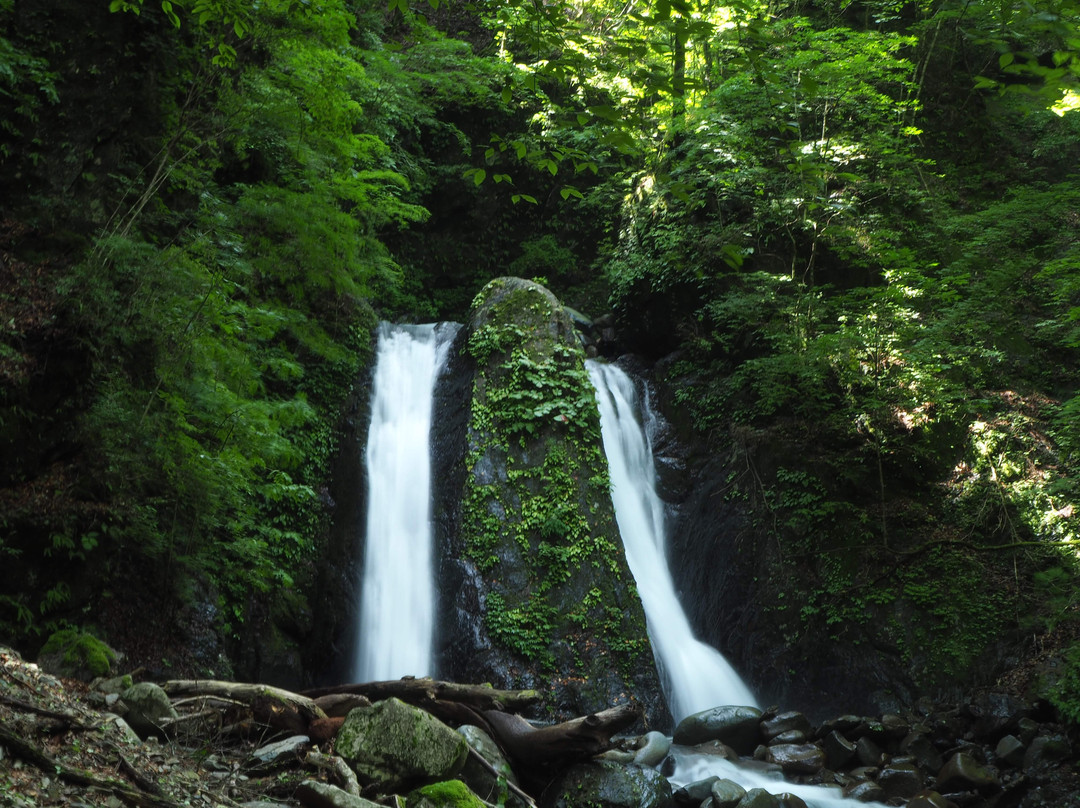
(119, 742)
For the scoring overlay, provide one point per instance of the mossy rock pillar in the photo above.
(540, 569)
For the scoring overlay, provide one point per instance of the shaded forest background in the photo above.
(847, 233)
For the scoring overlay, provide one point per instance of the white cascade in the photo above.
(397, 604)
(697, 676)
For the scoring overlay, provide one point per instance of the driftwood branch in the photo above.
(560, 744)
(422, 691)
(278, 708)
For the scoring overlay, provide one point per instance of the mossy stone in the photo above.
(445, 794)
(392, 744)
(76, 655)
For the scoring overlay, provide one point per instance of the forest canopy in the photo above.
(850, 225)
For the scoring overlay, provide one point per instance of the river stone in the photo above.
(726, 793)
(865, 791)
(1047, 749)
(868, 752)
(928, 799)
(446, 794)
(392, 744)
(791, 736)
(838, 750)
(789, 800)
(313, 794)
(735, 726)
(1010, 750)
(785, 722)
(608, 785)
(797, 758)
(278, 754)
(919, 746)
(962, 773)
(147, 706)
(696, 792)
(900, 779)
(758, 798)
(653, 748)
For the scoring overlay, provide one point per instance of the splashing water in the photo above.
(397, 608)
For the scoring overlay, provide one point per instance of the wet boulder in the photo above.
(805, 758)
(963, 773)
(735, 726)
(783, 723)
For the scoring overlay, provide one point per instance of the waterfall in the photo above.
(397, 606)
(695, 675)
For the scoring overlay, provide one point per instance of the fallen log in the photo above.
(545, 748)
(419, 692)
(280, 709)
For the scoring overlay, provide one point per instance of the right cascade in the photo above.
(695, 675)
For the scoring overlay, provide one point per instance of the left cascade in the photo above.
(397, 601)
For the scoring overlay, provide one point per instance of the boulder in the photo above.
(797, 758)
(928, 799)
(479, 778)
(147, 706)
(865, 791)
(918, 746)
(788, 800)
(963, 773)
(608, 785)
(838, 750)
(758, 798)
(868, 752)
(75, 654)
(1010, 750)
(693, 794)
(446, 794)
(735, 726)
(392, 744)
(1047, 749)
(652, 748)
(900, 780)
(726, 793)
(784, 723)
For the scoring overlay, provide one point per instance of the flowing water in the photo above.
(696, 676)
(397, 607)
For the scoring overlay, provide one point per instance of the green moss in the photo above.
(447, 794)
(537, 514)
(81, 651)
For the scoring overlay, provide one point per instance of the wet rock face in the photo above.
(536, 591)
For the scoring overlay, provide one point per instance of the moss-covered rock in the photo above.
(539, 549)
(392, 744)
(76, 655)
(447, 794)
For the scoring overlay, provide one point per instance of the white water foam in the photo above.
(397, 607)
